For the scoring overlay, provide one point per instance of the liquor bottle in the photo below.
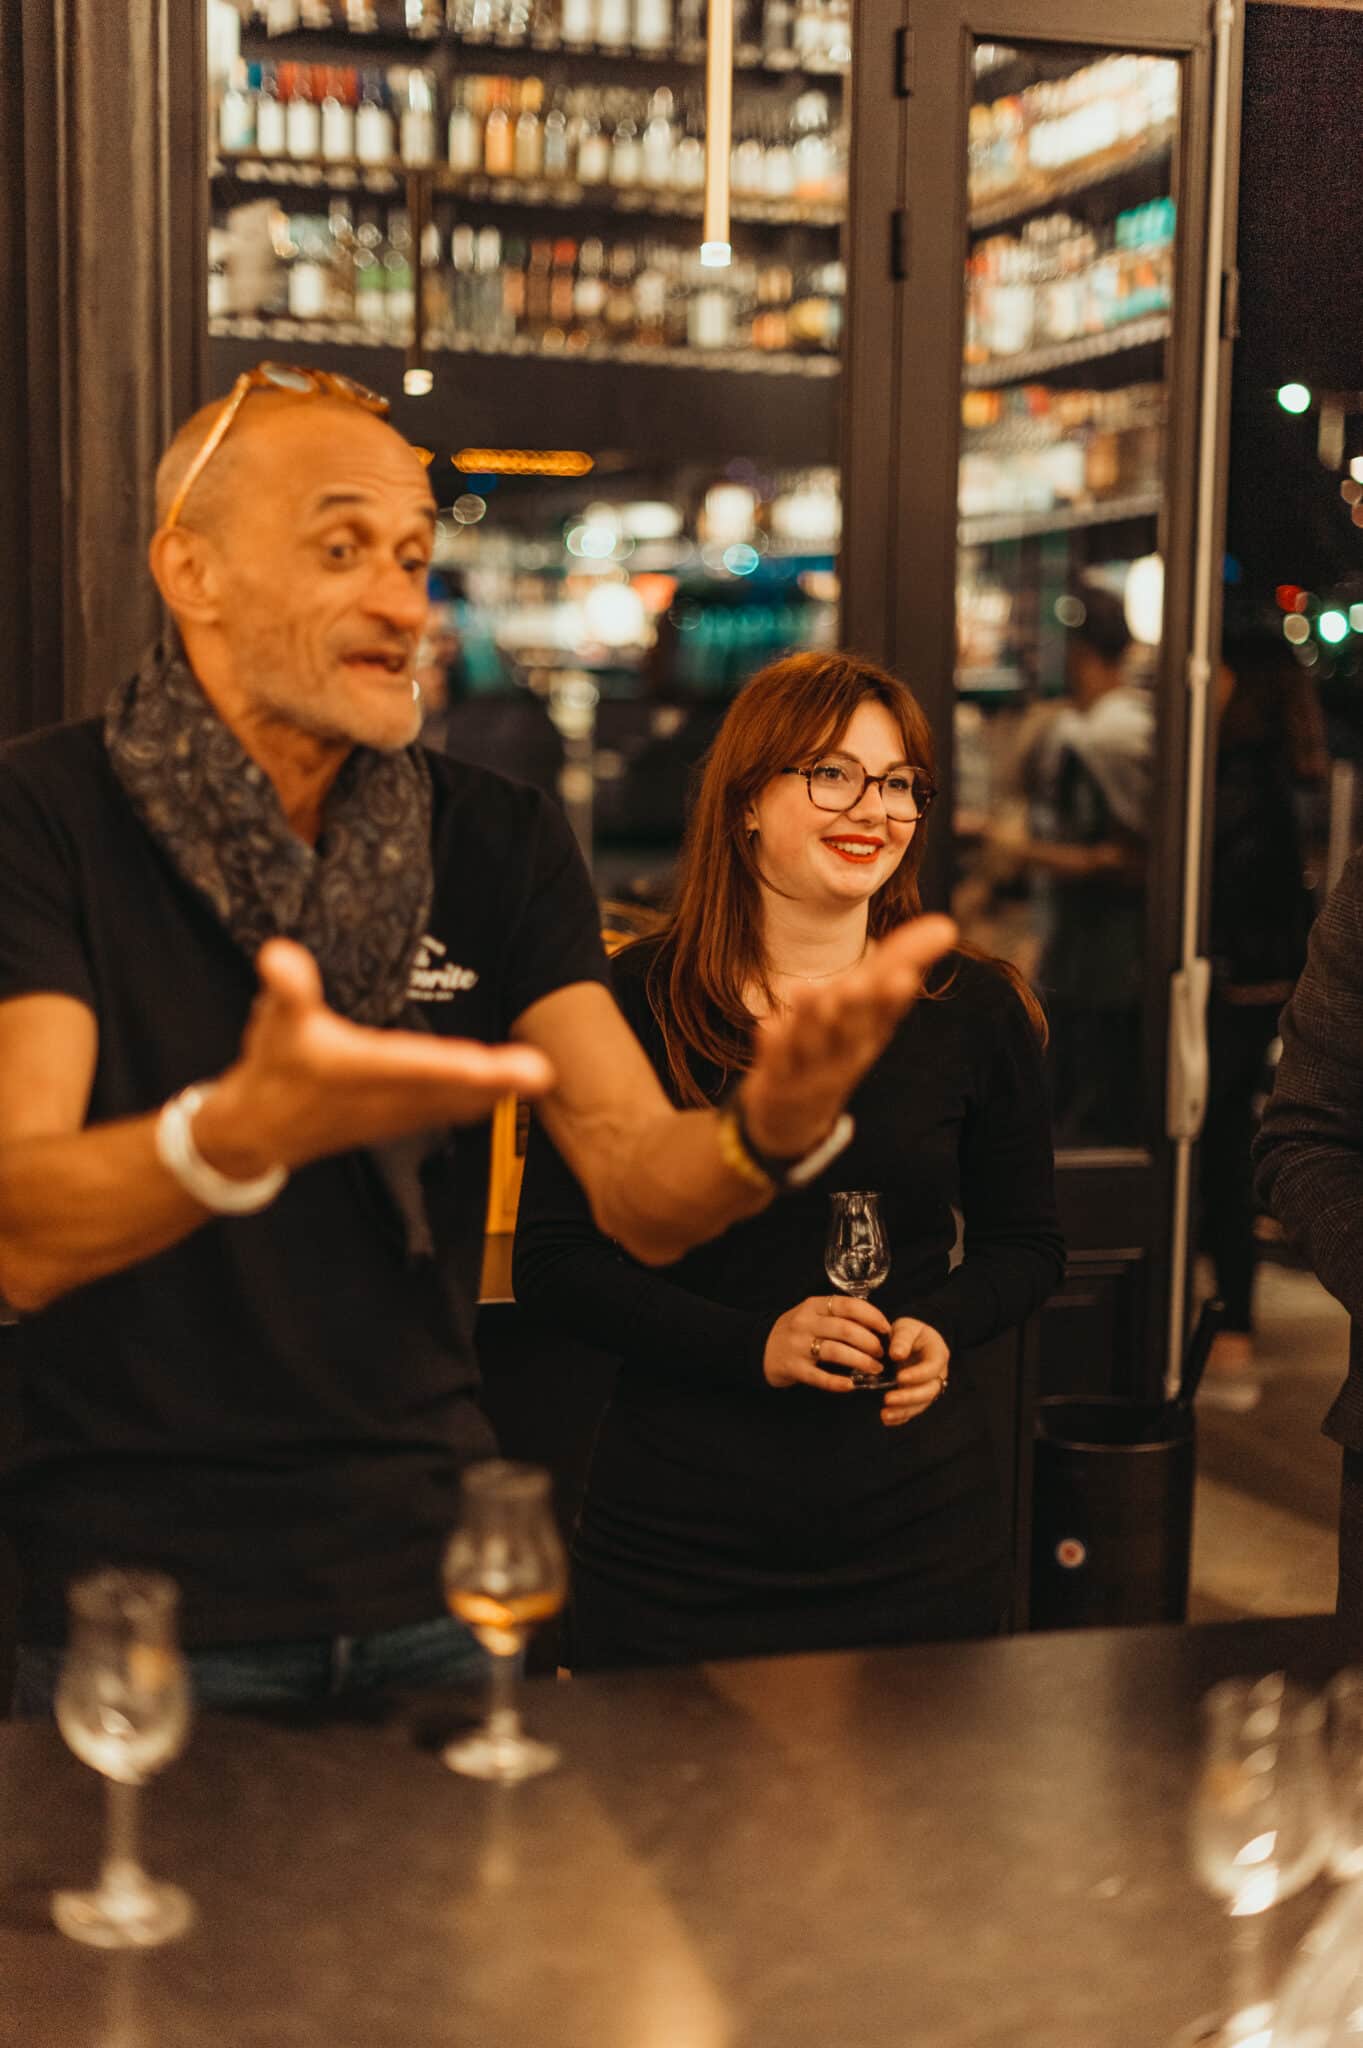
(652, 24)
(399, 284)
(304, 129)
(650, 301)
(613, 24)
(271, 119)
(620, 316)
(510, 320)
(778, 27)
(578, 28)
(435, 290)
(627, 157)
(338, 117)
(219, 278)
(463, 283)
(307, 286)
(815, 153)
(528, 146)
(417, 140)
(237, 114)
(748, 35)
(746, 166)
(589, 294)
(466, 127)
(557, 161)
(770, 326)
(778, 164)
(593, 147)
(375, 138)
(341, 262)
(688, 159)
(691, 27)
(544, 31)
(499, 139)
(709, 309)
(371, 279)
(659, 142)
(561, 283)
(536, 315)
(494, 323)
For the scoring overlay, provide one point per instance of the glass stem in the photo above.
(1248, 1978)
(121, 1871)
(503, 1717)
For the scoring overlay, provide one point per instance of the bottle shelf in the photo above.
(1035, 363)
(982, 528)
(1085, 178)
(662, 64)
(566, 195)
(349, 334)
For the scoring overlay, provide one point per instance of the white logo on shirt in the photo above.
(435, 978)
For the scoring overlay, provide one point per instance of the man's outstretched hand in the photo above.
(809, 1059)
(308, 1083)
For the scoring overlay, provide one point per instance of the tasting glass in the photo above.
(1260, 1830)
(123, 1707)
(505, 1569)
(1344, 1725)
(856, 1259)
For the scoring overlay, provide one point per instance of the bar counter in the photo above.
(940, 1847)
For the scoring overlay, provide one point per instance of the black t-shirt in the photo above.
(275, 1410)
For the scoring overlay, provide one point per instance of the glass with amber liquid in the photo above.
(505, 1569)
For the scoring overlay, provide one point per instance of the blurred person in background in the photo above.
(1270, 749)
(1086, 773)
(744, 1496)
(506, 728)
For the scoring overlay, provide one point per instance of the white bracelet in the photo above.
(178, 1153)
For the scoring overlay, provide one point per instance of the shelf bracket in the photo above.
(905, 62)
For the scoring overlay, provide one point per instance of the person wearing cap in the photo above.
(265, 964)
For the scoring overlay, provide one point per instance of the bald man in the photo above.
(265, 966)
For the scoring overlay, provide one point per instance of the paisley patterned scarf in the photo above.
(358, 901)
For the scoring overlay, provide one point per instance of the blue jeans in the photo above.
(314, 1670)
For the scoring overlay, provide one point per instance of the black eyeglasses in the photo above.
(837, 784)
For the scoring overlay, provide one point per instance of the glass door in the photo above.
(1073, 282)
(490, 209)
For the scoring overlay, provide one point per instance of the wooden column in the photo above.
(102, 236)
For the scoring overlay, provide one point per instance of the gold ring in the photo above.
(816, 1345)
(832, 1308)
(942, 1384)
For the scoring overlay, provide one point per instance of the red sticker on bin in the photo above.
(1070, 1553)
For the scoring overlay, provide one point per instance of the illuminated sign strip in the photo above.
(523, 462)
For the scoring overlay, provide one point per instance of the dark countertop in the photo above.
(942, 1847)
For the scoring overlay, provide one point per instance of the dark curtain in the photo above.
(103, 204)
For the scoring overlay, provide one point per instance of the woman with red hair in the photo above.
(746, 1494)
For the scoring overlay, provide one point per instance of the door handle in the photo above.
(1186, 1101)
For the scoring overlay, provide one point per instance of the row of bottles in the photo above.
(481, 290)
(525, 129)
(1062, 279)
(1088, 121)
(1033, 449)
(784, 34)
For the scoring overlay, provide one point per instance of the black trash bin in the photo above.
(1112, 1503)
(1112, 1512)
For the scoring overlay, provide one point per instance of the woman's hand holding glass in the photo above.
(826, 1330)
(924, 1359)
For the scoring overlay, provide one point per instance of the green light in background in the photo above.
(1294, 398)
(1333, 627)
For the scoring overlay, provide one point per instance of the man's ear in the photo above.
(185, 566)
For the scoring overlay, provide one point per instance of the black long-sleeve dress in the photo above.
(726, 1517)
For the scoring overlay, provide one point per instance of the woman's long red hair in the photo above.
(712, 948)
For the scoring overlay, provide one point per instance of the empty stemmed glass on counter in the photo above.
(505, 1569)
(857, 1260)
(1261, 1831)
(123, 1706)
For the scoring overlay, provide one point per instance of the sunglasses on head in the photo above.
(276, 377)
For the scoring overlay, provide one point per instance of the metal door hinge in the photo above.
(1230, 305)
(905, 62)
(899, 244)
